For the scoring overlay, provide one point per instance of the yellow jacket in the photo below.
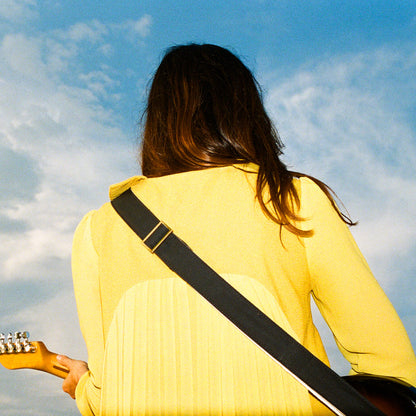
(156, 347)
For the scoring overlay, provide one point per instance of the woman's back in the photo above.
(166, 350)
(211, 157)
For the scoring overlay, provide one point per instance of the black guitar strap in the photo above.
(318, 378)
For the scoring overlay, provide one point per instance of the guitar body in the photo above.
(392, 397)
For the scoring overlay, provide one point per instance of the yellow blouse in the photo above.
(156, 347)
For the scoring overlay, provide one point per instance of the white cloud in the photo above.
(18, 174)
(17, 10)
(135, 30)
(349, 121)
(60, 54)
(142, 25)
(5, 400)
(60, 143)
(99, 34)
(23, 55)
(346, 121)
(98, 82)
(55, 54)
(60, 150)
(106, 49)
(92, 32)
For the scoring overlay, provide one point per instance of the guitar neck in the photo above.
(49, 363)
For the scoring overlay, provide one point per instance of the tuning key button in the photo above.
(10, 345)
(2, 345)
(18, 342)
(26, 345)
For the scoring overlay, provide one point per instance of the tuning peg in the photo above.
(27, 347)
(2, 345)
(18, 343)
(9, 345)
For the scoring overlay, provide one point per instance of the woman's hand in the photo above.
(76, 369)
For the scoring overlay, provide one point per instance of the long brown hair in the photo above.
(205, 110)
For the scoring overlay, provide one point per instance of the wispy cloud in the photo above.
(60, 149)
(139, 27)
(96, 32)
(92, 32)
(347, 121)
(18, 10)
(22, 55)
(57, 140)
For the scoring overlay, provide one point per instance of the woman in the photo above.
(212, 171)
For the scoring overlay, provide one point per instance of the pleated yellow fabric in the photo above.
(155, 347)
(184, 358)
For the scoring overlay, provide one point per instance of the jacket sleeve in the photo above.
(87, 295)
(365, 325)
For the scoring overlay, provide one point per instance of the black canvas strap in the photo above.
(318, 378)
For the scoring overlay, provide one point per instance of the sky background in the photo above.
(338, 80)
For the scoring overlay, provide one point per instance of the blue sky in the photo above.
(338, 80)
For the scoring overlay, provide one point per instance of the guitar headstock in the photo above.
(18, 352)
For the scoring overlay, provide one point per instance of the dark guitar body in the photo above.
(391, 396)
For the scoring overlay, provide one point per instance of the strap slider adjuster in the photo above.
(157, 236)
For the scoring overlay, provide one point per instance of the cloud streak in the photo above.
(348, 121)
(18, 10)
(61, 146)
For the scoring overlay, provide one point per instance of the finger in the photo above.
(64, 360)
